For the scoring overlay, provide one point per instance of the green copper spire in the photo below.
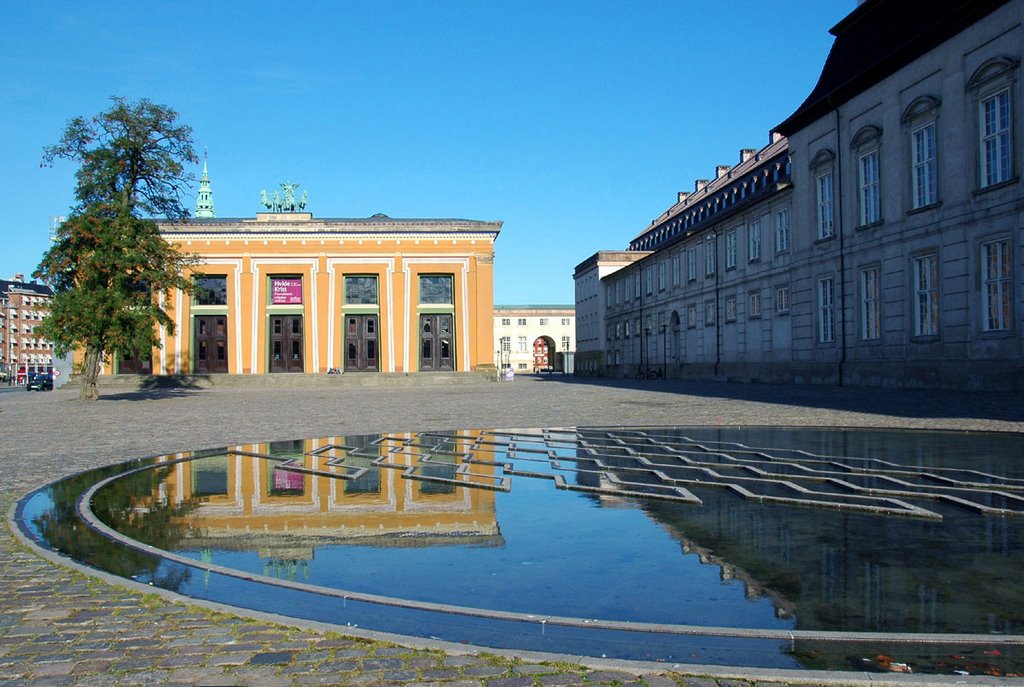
(204, 203)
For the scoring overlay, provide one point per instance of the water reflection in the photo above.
(804, 530)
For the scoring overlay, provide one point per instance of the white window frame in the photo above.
(868, 180)
(996, 145)
(677, 269)
(782, 231)
(730, 250)
(710, 256)
(782, 299)
(826, 310)
(996, 285)
(826, 200)
(691, 265)
(923, 150)
(926, 295)
(754, 307)
(754, 241)
(870, 313)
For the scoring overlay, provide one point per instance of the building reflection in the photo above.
(393, 492)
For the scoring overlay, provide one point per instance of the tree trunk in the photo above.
(90, 373)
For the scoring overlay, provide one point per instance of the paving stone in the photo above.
(272, 658)
(484, 671)
(698, 682)
(532, 669)
(560, 679)
(610, 676)
(659, 681)
(47, 669)
(511, 682)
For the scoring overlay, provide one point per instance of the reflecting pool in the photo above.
(839, 549)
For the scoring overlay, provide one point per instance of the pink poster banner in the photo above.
(286, 291)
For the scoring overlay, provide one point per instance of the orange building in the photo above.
(285, 292)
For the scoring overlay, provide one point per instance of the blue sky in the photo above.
(575, 123)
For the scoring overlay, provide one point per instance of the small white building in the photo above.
(535, 338)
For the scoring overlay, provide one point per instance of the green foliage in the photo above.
(109, 265)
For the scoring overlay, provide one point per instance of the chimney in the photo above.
(722, 170)
(683, 195)
(18, 277)
(700, 184)
(747, 153)
(774, 137)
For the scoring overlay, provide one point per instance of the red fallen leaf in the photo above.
(993, 652)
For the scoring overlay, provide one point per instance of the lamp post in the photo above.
(664, 351)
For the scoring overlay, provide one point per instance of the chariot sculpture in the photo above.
(285, 201)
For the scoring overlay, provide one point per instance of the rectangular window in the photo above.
(649, 274)
(506, 344)
(926, 295)
(662, 277)
(543, 322)
(677, 269)
(996, 281)
(755, 304)
(211, 289)
(506, 321)
(436, 289)
(360, 290)
(730, 250)
(923, 176)
(691, 315)
(709, 313)
(782, 299)
(566, 321)
(782, 231)
(826, 228)
(618, 292)
(710, 255)
(565, 343)
(867, 172)
(636, 285)
(826, 310)
(522, 344)
(730, 309)
(521, 322)
(996, 145)
(870, 315)
(754, 241)
(691, 264)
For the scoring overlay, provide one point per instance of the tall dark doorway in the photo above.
(437, 351)
(286, 343)
(211, 336)
(361, 343)
(135, 363)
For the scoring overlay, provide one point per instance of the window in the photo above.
(754, 309)
(506, 321)
(649, 274)
(522, 344)
(211, 289)
(782, 299)
(867, 174)
(922, 143)
(709, 313)
(521, 322)
(436, 289)
(677, 269)
(543, 322)
(782, 231)
(636, 285)
(691, 264)
(754, 241)
(566, 321)
(996, 147)
(926, 295)
(997, 295)
(710, 255)
(565, 343)
(826, 228)
(826, 310)
(870, 315)
(506, 344)
(662, 278)
(730, 250)
(730, 309)
(360, 290)
(691, 315)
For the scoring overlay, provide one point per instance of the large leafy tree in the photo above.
(109, 265)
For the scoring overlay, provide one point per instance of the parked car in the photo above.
(41, 381)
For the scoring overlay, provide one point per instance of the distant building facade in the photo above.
(286, 292)
(23, 306)
(535, 338)
(877, 240)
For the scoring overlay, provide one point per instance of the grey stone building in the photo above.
(877, 240)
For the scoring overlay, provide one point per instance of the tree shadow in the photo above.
(160, 386)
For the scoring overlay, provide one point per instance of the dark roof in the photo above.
(40, 289)
(876, 40)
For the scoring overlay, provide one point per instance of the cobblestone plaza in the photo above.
(58, 626)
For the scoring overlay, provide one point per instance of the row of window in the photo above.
(523, 344)
(996, 300)
(212, 289)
